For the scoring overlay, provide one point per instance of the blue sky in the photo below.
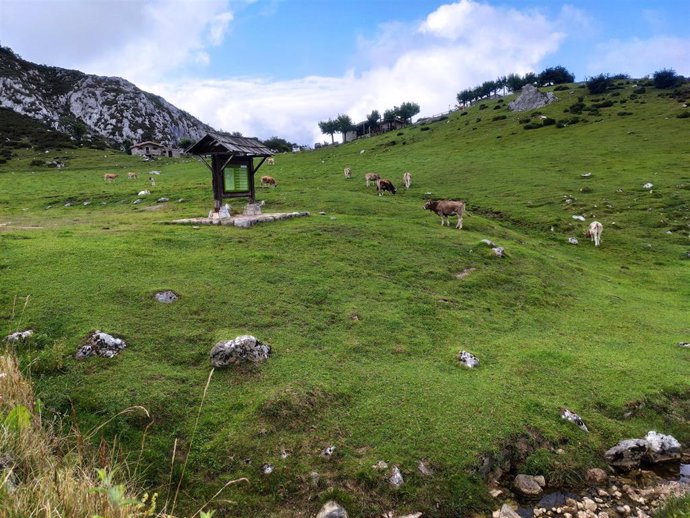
(277, 67)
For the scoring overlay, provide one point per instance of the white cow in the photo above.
(407, 180)
(594, 231)
(348, 173)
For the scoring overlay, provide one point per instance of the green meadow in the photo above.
(365, 308)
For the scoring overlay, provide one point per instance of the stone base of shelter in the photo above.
(243, 221)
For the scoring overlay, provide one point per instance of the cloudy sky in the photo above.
(277, 67)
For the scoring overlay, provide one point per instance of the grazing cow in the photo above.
(371, 178)
(152, 181)
(445, 208)
(109, 177)
(268, 181)
(270, 161)
(132, 176)
(348, 173)
(594, 232)
(383, 185)
(407, 179)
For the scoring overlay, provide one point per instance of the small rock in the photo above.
(572, 240)
(102, 344)
(507, 512)
(68, 204)
(144, 193)
(627, 453)
(328, 451)
(578, 217)
(573, 418)
(181, 200)
(19, 336)
(331, 509)
(244, 348)
(596, 476)
(468, 359)
(322, 213)
(137, 201)
(315, 478)
(499, 251)
(662, 447)
(396, 478)
(648, 186)
(284, 454)
(380, 465)
(488, 242)
(586, 175)
(162, 200)
(267, 469)
(539, 479)
(527, 485)
(166, 297)
(424, 469)
(495, 493)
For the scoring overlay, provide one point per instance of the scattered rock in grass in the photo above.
(499, 251)
(572, 240)
(242, 349)
(137, 201)
(267, 469)
(507, 512)
(332, 509)
(685, 345)
(578, 217)
(284, 454)
(628, 453)
(166, 297)
(322, 213)
(530, 99)
(662, 447)
(596, 476)
(253, 209)
(648, 186)
(181, 200)
(488, 242)
(527, 485)
(464, 273)
(396, 478)
(19, 336)
(328, 451)
(586, 175)
(68, 204)
(424, 469)
(380, 465)
(684, 474)
(314, 478)
(102, 344)
(87, 202)
(154, 172)
(573, 418)
(144, 193)
(468, 359)
(225, 212)
(162, 200)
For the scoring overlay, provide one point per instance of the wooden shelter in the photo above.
(232, 165)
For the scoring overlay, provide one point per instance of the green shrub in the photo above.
(639, 90)
(624, 113)
(548, 121)
(683, 115)
(499, 117)
(577, 107)
(532, 125)
(483, 106)
(523, 120)
(603, 104)
(598, 84)
(561, 88)
(37, 162)
(666, 78)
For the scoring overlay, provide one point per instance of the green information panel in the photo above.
(236, 179)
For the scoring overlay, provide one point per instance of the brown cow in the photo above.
(268, 181)
(445, 208)
(383, 185)
(132, 176)
(371, 178)
(109, 177)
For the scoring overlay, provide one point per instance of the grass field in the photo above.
(364, 308)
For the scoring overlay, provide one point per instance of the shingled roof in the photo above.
(237, 146)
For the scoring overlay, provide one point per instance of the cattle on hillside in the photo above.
(383, 185)
(109, 177)
(446, 208)
(268, 181)
(348, 173)
(594, 231)
(407, 179)
(371, 178)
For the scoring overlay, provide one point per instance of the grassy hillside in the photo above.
(364, 308)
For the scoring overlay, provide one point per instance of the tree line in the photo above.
(343, 123)
(514, 82)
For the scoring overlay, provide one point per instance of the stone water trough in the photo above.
(251, 216)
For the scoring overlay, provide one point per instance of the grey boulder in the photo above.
(243, 349)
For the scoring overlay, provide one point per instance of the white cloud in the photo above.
(137, 40)
(641, 57)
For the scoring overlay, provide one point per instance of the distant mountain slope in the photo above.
(83, 105)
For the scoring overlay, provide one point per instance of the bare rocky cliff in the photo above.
(84, 106)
